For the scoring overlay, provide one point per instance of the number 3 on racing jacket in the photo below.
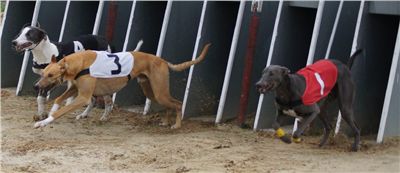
(113, 65)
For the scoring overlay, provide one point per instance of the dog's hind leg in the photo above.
(159, 80)
(346, 99)
(327, 127)
(108, 107)
(88, 109)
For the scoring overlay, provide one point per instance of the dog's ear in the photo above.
(38, 24)
(285, 71)
(53, 59)
(26, 24)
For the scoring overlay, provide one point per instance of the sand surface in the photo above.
(130, 142)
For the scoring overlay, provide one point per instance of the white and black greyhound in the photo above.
(36, 40)
(307, 93)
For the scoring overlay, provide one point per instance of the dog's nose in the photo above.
(14, 43)
(258, 85)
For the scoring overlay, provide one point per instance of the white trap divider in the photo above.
(388, 95)
(27, 53)
(128, 32)
(313, 44)
(353, 49)
(160, 45)
(230, 61)
(195, 51)
(270, 53)
(98, 17)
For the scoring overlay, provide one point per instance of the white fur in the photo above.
(41, 104)
(44, 122)
(43, 52)
(54, 108)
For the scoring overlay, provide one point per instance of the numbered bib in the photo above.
(109, 65)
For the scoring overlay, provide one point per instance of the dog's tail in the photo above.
(353, 57)
(187, 64)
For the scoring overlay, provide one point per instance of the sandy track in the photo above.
(133, 143)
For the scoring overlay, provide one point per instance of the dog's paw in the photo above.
(297, 140)
(104, 118)
(40, 124)
(175, 126)
(81, 116)
(163, 124)
(286, 139)
(355, 148)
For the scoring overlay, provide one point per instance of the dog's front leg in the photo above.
(306, 123)
(41, 100)
(280, 133)
(77, 103)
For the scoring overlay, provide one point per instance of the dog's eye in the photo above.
(50, 75)
(270, 74)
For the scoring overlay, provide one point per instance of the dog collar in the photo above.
(39, 66)
(289, 104)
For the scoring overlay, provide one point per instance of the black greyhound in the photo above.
(290, 96)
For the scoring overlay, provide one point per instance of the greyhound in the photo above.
(100, 73)
(35, 39)
(292, 97)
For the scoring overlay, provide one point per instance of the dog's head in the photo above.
(51, 76)
(272, 77)
(28, 38)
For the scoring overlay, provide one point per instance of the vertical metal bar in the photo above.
(4, 20)
(270, 53)
(127, 35)
(27, 53)
(353, 49)
(196, 47)
(160, 45)
(230, 61)
(328, 51)
(64, 20)
(98, 17)
(313, 43)
(389, 90)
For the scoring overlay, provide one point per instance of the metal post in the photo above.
(313, 43)
(230, 61)
(353, 49)
(27, 53)
(98, 17)
(160, 46)
(270, 53)
(196, 47)
(389, 90)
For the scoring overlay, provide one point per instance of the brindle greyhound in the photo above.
(152, 72)
(289, 89)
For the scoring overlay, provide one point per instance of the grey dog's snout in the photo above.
(259, 85)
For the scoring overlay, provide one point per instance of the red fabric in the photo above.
(327, 72)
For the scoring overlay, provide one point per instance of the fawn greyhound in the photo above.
(80, 69)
